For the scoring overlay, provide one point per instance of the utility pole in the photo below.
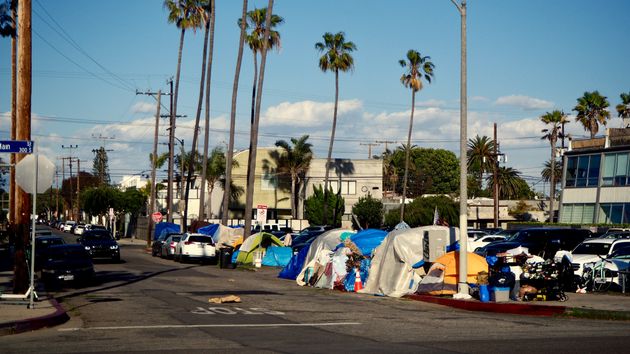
(495, 175)
(78, 189)
(153, 163)
(369, 145)
(70, 158)
(386, 142)
(171, 155)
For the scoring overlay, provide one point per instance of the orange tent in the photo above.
(443, 275)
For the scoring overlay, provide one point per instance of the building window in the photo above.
(347, 187)
(577, 213)
(583, 171)
(614, 213)
(616, 170)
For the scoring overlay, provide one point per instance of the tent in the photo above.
(324, 243)
(164, 228)
(396, 264)
(442, 276)
(256, 242)
(277, 256)
(223, 235)
(293, 268)
(368, 240)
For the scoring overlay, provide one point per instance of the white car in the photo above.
(592, 250)
(482, 241)
(78, 230)
(67, 226)
(197, 247)
(618, 261)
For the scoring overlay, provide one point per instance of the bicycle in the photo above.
(597, 276)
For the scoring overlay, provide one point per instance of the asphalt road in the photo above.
(148, 304)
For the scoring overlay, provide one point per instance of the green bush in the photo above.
(314, 208)
(369, 212)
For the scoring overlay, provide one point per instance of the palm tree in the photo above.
(295, 161)
(480, 156)
(546, 171)
(230, 149)
(592, 110)
(203, 9)
(202, 191)
(416, 68)
(336, 58)
(509, 180)
(555, 120)
(251, 168)
(623, 109)
(215, 170)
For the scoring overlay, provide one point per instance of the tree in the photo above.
(215, 172)
(336, 58)
(511, 185)
(521, 211)
(546, 171)
(480, 157)
(592, 110)
(253, 144)
(230, 151)
(416, 68)
(369, 212)
(554, 120)
(314, 207)
(421, 212)
(623, 109)
(294, 161)
(7, 23)
(100, 166)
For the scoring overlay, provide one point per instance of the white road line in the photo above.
(328, 324)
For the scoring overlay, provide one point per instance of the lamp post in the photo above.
(462, 285)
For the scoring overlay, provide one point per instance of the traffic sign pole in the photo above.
(33, 217)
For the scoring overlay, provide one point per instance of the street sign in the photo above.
(25, 169)
(156, 217)
(16, 146)
(261, 213)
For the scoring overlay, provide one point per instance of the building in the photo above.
(596, 180)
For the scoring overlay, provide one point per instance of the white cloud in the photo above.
(431, 103)
(524, 102)
(308, 113)
(143, 107)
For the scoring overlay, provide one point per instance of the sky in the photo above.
(525, 58)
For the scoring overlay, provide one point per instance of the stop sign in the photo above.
(156, 217)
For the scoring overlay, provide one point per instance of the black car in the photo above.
(543, 242)
(66, 263)
(42, 243)
(307, 236)
(100, 244)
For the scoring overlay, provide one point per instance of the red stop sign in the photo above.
(156, 217)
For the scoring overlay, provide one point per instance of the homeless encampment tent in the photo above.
(277, 256)
(256, 243)
(396, 267)
(223, 235)
(441, 279)
(294, 267)
(323, 244)
(164, 228)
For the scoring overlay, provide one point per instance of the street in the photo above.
(150, 304)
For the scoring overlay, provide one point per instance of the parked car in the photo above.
(169, 244)
(543, 242)
(78, 229)
(482, 241)
(474, 234)
(616, 262)
(94, 227)
(66, 263)
(42, 243)
(67, 226)
(197, 247)
(100, 244)
(307, 236)
(156, 246)
(592, 250)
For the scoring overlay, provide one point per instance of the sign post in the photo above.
(156, 217)
(261, 214)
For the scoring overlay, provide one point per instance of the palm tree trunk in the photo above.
(193, 149)
(330, 148)
(407, 153)
(251, 155)
(293, 196)
(204, 165)
(171, 152)
(254, 139)
(230, 152)
(552, 184)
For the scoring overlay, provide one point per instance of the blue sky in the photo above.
(524, 58)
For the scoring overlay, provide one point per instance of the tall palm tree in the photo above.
(480, 156)
(592, 110)
(202, 191)
(203, 9)
(546, 171)
(416, 68)
(295, 160)
(554, 120)
(230, 150)
(251, 168)
(215, 170)
(509, 180)
(336, 58)
(623, 109)
(185, 15)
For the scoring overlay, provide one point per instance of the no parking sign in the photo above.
(261, 213)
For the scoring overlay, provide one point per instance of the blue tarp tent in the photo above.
(165, 227)
(209, 230)
(277, 256)
(368, 240)
(294, 267)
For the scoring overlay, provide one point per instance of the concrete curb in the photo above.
(56, 318)
(497, 307)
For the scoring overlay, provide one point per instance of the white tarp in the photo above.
(391, 271)
(228, 235)
(323, 244)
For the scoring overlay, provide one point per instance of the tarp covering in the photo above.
(368, 240)
(208, 230)
(223, 235)
(165, 227)
(392, 270)
(448, 265)
(293, 268)
(254, 243)
(327, 241)
(277, 256)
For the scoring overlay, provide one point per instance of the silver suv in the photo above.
(592, 249)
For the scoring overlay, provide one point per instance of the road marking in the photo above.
(324, 324)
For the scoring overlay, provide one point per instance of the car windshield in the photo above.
(66, 253)
(593, 248)
(622, 253)
(93, 235)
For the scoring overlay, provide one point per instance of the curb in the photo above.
(510, 308)
(58, 317)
